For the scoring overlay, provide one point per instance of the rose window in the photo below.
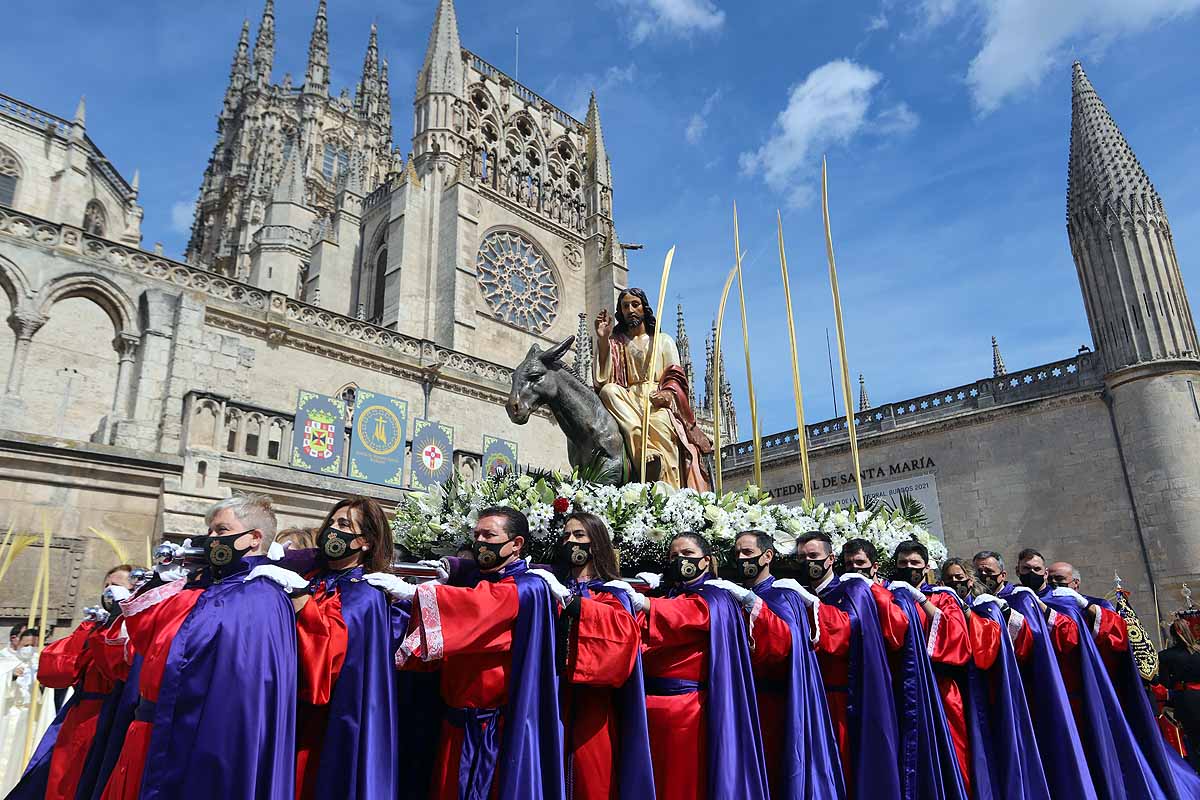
(516, 281)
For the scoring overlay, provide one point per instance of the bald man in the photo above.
(1063, 575)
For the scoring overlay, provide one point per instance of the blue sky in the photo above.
(946, 124)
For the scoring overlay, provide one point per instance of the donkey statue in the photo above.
(593, 440)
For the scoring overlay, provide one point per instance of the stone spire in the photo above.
(264, 45)
(385, 96)
(685, 353)
(366, 98)
(997, 360)
(706, 404)
(316, 76)
(583, 351)
(863, 402)
(442, 72)
(81, 112)
(290, 188)
(240, 68)
(599, 168)
(1122, 245)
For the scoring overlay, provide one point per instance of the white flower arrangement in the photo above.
(642, 517)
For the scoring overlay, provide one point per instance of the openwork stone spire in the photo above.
(598, 163)
(316, 76)
(442, 72)
(291, 183)
(583, 350)
(240, 68)
(366, 98)
(997, 360)
(863, 402)
(685, 353)
(264, 45)
(1121, 242)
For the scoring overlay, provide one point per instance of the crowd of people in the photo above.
(239, 668)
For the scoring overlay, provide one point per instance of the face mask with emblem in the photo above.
(571, 555)
(914, 576)
(334, 544)
(684, 569)
(813, 570)
(488, 554)
(221, 552)
(750, 567)
(1033, 580)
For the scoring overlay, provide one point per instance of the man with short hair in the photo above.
(1062, 575)
(858, 621)
(221, 626)
(860, 555)
(990, 574)
(494, 642)
(798, 739)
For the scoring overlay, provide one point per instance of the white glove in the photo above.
(808, 598)
(636, 598)
(651, 579)
(916, 593)
(393, 585)
(854, 576)
(562, 593)
(1025, 590)
(117, 593)
(443, 568)
(276, 551)
(740, 593)
(171, 572)
(1079, 599)
(289, 580)
(980, 599)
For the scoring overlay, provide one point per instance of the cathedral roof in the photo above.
(1103, 172)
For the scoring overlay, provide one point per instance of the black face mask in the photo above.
(1033, 580)
(684, 569)
(335, 545)
(914, 576)
(864, 571)
(487, 554)
(813, 570)
(570, 555)
(749, 568)
(219, 552)
(961, 588)
(989, 583)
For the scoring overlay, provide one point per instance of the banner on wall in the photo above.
(318, 433)
(432, 454)
(499, 455)
(377, 439)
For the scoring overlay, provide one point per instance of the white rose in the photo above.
(632, 492)
(524, 482)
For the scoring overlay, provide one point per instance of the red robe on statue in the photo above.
(321, 645)
(467, 633)
(676, 646)
(151, 621)
(833, 654)
(603, 650)
(71, 662)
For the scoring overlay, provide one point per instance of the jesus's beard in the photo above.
(633, 321)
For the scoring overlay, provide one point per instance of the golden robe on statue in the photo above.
(674, 440)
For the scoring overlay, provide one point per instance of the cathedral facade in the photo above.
(1090, 459)
(139, 389)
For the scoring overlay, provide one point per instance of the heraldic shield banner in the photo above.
(377, 441)
(317, 434)
(432, 454)
(499, 455)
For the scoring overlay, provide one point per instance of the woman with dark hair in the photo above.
(959, 575)
(347, 722)
(601, 698)
(699, 681)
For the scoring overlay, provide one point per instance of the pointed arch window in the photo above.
(95, 221)
(378, 285)
(10, 175)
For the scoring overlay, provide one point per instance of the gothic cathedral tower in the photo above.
(1143, 331)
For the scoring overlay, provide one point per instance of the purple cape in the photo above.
(531, 756)
(224, 724)
(928, 764)
(106, 747)
(736, 766)
(635, 779)
(1057, 736)
(359, 758)
(874, 732)
(812, 769)
(1014, 765)
(1126, 753)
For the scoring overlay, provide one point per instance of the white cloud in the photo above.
(182, 213)
(827, 108)
(1023, 40)
(577, 88)
(698, 124)
(878, 22)
(682, 18)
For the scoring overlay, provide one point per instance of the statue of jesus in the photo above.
(675, 447)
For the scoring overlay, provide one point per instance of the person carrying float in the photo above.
(216, 715)
(705, 738)
(601, 694)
